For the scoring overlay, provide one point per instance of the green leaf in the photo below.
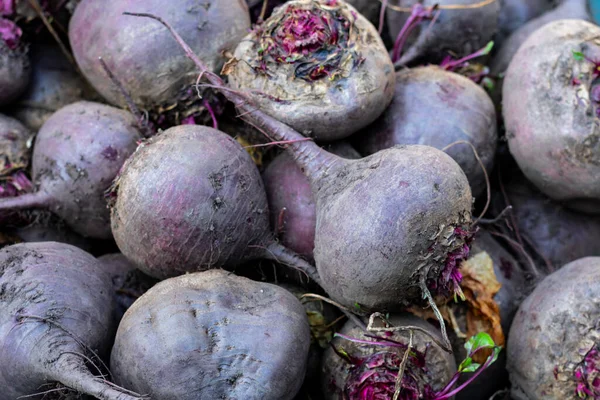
(480, 341)
(577, 55)
(488, 48)
(471, 368)
(495, 354)
(466, 363)
(356, 305)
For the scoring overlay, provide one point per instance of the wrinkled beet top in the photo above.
(316, 36)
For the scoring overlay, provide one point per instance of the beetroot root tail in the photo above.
(24, 201)
(277, 252)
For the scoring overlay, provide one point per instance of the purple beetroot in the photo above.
(558, 152)
(77, 154)
(54, 84)
(234, 339)
(192, 199)
(154, 72)
(316, 65)
(56, 321)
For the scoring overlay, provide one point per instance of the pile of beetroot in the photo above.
(303, 199)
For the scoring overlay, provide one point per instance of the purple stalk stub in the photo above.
(374, 377)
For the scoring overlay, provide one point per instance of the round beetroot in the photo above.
(236, 339)
(192, 199)
(145, 60)
(77, 154)
(456, 31)
(554, 137)
(316, 65)
(54, 84)
(15, 70)
(552, 348)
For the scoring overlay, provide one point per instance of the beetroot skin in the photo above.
(235, 339)
(151, 68)
(316, 65)
(77, 154)
(288, 188)
(552, 347)
(559, 152)
(55, 306)
(463, 112)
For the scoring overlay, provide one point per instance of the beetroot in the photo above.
(129, 283)
(559, 152)
(464, 112)
(360, 371)
(192, 199)
(460, 28)
(553, 344)
(291, 203)
(55, 311)
(575, 9)
(158, 84)
(316, 65)
(236, 339)
(54, 84)
(15, 70)
(406, 211)
(77, 154)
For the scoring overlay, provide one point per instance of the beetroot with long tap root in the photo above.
(414, 204)
(318, 66)
(56, 322)
(77, 154)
